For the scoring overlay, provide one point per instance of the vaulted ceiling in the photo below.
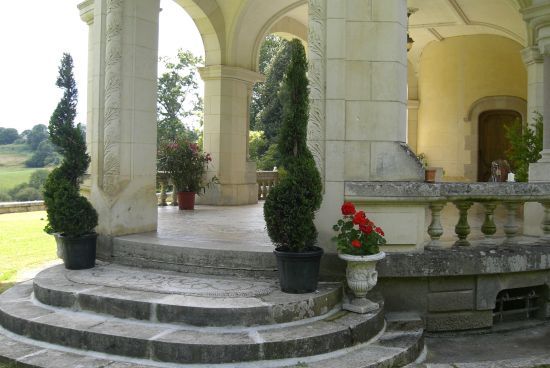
(436, 20)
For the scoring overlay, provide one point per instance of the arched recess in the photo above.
(254, 22)
(476, 109)
(210, 22)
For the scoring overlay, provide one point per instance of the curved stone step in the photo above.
(179, 343)
(194, 254)
(400, 344)
(172, 297)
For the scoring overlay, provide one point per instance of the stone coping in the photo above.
(463, 261)
(29, 206)
(388, 191)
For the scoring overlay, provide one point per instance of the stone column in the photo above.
(226, 124)
(533, 61)
(358, 83)
(537, 17)
(87, 15)
(122, 129)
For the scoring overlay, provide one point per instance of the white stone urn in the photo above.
(361, 276)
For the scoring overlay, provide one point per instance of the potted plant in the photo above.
(358, 244)
(71, 217)
(186, 165)
(289, 209)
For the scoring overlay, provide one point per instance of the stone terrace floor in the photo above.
(243, 227)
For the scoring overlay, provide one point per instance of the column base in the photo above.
(230, 195)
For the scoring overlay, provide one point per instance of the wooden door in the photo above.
(492, 139)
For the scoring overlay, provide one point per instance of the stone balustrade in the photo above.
(266, 180)
(462, 195)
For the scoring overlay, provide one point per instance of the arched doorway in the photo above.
(492, 141)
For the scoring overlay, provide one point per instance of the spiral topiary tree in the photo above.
(289, 209)
(69, 213)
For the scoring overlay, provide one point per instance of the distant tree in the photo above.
(8, 135)
(266, 108)
(178, 97)
(37, 134)
(45, 155)
(38, 178)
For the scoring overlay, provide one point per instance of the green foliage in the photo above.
(178, 97)
(27, 194)
(289, 209)
(270, 159)
(525, 146)
(5, 197)
(263, 94)
(45, 155)
(186, 165)
(270, 114)
(8, 135)
(69, 213)
(357, 235)
(257, 144)
(36, 135)
(38, 179)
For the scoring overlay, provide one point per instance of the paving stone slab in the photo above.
(121, 292)
(186, 344)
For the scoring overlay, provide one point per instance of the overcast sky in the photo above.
(33, 36)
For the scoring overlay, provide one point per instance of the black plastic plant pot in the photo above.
(298, 271)
(79, 253)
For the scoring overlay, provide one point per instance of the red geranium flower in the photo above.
(379, 231)
(367, 229)
(348, 209)
(360, 218)
(356, 243)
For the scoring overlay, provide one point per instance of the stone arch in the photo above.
(255, 20)
(210, 22)
(476, 109)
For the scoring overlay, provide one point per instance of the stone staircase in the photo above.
(121, 316)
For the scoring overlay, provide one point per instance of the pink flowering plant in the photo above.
(358, 235)
(185, 163)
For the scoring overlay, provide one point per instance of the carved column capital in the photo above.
(216, 72)
(87, 11)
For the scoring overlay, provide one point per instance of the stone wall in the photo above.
(12, 207)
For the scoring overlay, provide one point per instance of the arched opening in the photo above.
(493, 144)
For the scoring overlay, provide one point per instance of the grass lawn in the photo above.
(12, 176)
(12, 165)
(23, 245)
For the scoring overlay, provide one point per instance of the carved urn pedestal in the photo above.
(361, 277)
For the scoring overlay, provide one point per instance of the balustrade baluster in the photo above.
(163, 184)
(259, 189)
(264, 192)
(489, 228)
(435, 230)
(511, 227)
(462, 228)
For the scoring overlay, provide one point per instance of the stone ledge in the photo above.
(388, 191)
(463, 261)
(13, 207)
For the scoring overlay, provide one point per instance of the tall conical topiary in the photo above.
(289, 209)
(69, 213)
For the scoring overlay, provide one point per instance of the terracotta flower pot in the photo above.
(186, 200)
(429, 175)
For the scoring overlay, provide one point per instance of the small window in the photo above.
(518, 304)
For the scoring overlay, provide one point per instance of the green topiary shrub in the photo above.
(69, 213)
(289, 209)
